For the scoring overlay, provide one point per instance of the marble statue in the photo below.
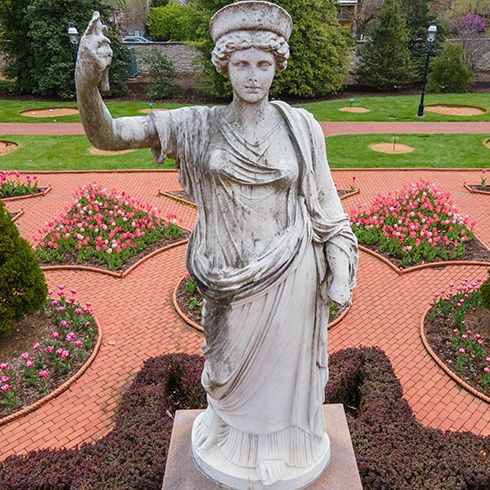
(271, 248)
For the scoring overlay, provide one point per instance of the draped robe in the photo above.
(264, 276)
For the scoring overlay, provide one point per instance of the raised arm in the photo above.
(92, 70)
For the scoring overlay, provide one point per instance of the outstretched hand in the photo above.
(95, 54)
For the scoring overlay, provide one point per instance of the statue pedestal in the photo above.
(341, 473)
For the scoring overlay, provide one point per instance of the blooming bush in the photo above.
(10, 187)
(472, 22)
(72, 335)
(106, 226)
(452, 305)
(417, 223)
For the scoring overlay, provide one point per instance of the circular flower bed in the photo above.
(45, 350)
(415, 225)
(457, 329)
(105, 229)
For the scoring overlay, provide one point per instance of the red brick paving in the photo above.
(136, 312)
(330, 128)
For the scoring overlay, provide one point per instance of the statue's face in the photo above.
(251, 72)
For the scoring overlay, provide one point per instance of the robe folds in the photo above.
(268, 211)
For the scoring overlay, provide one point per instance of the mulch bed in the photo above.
(474, 252)
(481, 188)
(72, 259)
(13, 215)
(478, 322)
(34, 329)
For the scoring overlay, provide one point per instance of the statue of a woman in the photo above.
(271, 248)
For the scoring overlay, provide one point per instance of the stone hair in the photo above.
(239, 40)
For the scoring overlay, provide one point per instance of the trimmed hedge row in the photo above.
(393, 450)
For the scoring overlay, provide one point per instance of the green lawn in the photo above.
(37, 153)
(10, 109)
(400, 108)
(434, 151)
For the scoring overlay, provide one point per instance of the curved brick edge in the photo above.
(181, 313)
(28, 196)
(429, 265)
(18, 215)
(149, 256)
(178, 199)
(119, 275)
(342, 315)
(458, 105)
(353, 193)
(380, 258)
(475, 191)
(458, 380)
(60, 389)
(201, 329)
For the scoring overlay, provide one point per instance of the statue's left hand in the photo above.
(339, 292)
(95, 54)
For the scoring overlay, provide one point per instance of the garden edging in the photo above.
(201, 329)
(63, 387)
(118, 275)
(475, 191)
(27, 196)
(434, 356)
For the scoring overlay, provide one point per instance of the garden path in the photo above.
(331, 128)
(137, 314)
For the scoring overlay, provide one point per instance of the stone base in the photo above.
(341, 473)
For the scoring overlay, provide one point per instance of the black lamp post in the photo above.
(431, 37)
(74, 37)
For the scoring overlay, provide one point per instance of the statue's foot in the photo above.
(208, 430)
(270, 471)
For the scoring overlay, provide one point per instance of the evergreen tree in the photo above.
(319, 49)
(385, 61)
(448, 72)
(418, 18)
(38, 53)
(23, 288)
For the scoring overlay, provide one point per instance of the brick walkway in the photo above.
(136, 312)
(329, 128)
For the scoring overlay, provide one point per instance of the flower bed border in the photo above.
(27, 196)
(63, 387)
(119, 275)
(349, 194)
(475, 191)
(178, 199)
(201, 329)
(434, 356)
(429, 265)
(18, 215)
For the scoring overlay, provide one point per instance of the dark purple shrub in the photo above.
(393, 450)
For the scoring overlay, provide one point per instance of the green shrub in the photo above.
(485, 292)
(319, 48)
(161, 73)
(23, 288)
(385, 61)
(449, 72)
(170, 23)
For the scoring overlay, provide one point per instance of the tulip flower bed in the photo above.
(10, 187)
(482, 186)
(49, 348)
(393, 450)
(415, 225)
(457, 329)
(105, 229)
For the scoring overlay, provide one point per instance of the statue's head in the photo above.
(250, 24)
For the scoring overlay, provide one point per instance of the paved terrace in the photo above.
(137, 313)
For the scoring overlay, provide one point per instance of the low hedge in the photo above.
(393, 450)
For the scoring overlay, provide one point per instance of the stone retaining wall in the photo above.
(181, 56)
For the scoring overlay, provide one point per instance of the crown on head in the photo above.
(251, 16)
